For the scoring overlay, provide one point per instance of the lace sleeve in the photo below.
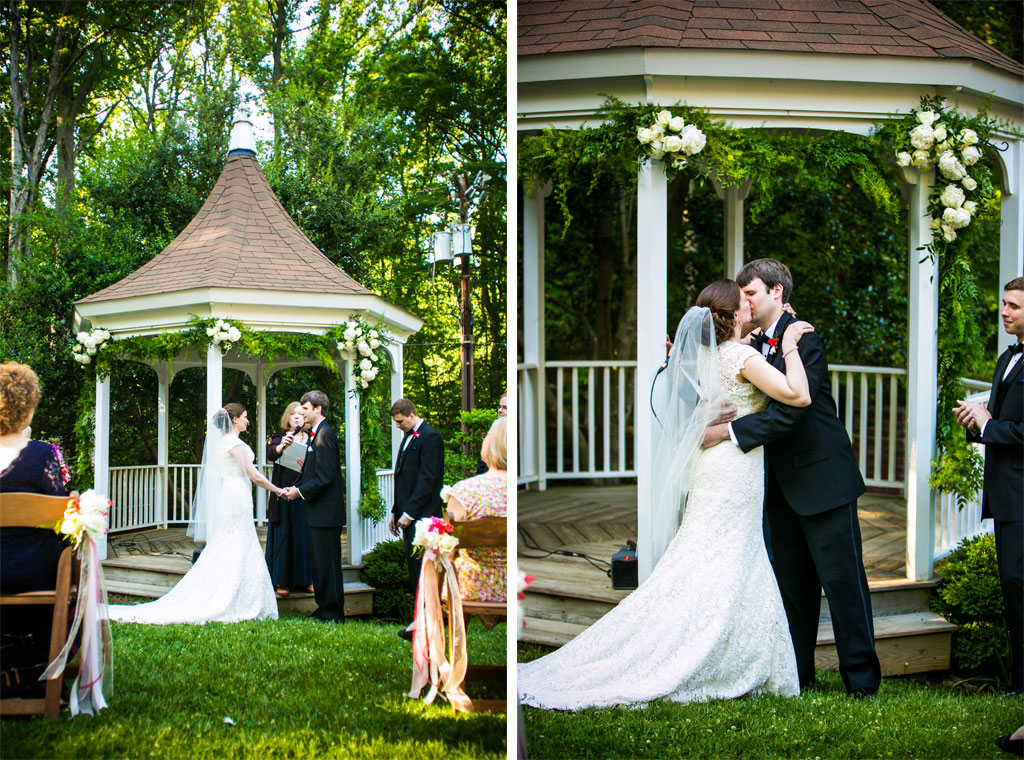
(734, 355)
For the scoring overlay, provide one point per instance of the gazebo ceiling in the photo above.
(911, 28)
(241, 257)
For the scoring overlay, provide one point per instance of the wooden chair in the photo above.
(33, 510)
(475, 534)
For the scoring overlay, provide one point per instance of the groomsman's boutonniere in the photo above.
(415, 433)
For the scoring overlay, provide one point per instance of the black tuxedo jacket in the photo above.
(807, 450)
(321, 483)
(419, 475)
(1003, 494)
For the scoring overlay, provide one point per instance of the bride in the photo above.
(709, 622)
(229, 582)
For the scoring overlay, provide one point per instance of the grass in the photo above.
(293, 687)
(907, 719)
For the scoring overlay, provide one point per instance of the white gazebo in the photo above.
(783, 65)
(242, 258)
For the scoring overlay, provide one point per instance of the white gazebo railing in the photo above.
(136, 492)
(593, 430)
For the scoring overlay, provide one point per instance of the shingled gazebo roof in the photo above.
(911, 28)
(242, 237)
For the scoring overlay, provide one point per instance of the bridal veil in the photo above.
(204, 513)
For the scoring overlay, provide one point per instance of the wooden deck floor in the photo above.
(597, 521)
(173, 542)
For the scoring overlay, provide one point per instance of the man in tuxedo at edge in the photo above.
(812, 483)
(1000, 427)
(321, 486)
(419, 475)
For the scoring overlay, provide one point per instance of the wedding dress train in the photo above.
(709, 621)
(229, 582)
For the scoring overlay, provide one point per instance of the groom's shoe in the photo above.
(1014, 746)
(405, 633)
(862, 693)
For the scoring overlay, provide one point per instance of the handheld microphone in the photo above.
(297, 429)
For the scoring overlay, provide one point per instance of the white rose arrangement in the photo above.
(670, 137)
(85, 517)
(224, 334)
(361, 345)
(88, 344)
(434, 533)
(935, 145)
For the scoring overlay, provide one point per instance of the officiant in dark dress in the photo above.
(287, 534)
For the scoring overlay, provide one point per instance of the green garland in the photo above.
(619, 145)
(198, 335)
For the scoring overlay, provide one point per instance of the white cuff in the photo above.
(406, 515)
(732, 435)
(981, 433)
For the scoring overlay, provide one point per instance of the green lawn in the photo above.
(906, 720)
(293, 687)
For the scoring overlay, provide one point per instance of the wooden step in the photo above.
(167, 569)
(552, 633)
(358, 596)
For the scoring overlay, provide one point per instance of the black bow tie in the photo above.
(1016, 348)
(760, 339)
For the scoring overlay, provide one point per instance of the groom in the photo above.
(321, 486)
(811, 487)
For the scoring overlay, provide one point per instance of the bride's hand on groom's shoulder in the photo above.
(794, 333)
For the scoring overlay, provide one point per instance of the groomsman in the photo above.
(419, 476)
(1000, 427)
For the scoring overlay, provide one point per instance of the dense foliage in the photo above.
(970, 596)
(375, 107)
(385, 569)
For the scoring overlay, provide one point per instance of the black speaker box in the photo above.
(624, 569)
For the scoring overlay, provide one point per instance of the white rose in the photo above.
(446, 493)
(942, 147)
(446, 543)
(91, 350)
(374, 343)
(935, 223)
(969, 183)
(374, 334)
(673, 144)
(970, 207)
(210, 331)
(968, 136)
(922, 137)
(693, 140)
(948, 233)
(94, 522)
(644, 135)
(940, 131)
(971, 155)
(927, 118)
(421, 532)
(677, 124)
(955, 218)
(77, 349)
(365, 364)
(373, 357)
(664, 118)
(364, 349)
(922, 160)
(234, 334)
(950, 167)
(656, 154)
(349, 334)
(105, 334)
(367, 375)
(86, 360)
(81, 337)
(903, 158)
(952, 196)
(657, 132)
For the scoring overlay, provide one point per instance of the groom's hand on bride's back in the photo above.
(726, 413)
(715, 434)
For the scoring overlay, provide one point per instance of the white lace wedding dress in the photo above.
(709, 622)
(229, 582)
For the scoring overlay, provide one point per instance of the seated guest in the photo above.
(482, 571)
(287, 536)
(481, 466)
(28, 556)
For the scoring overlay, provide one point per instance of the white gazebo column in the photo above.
(922, 370)
(353, 469)
(163, 376)
(532, 436)
(261, 428)
(1011, 233)
(397, 391)
(101, 449)
(733, 198)
(652, 305)
(214, 383)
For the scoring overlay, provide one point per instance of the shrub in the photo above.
(387, 571)
(458, 466)
(971, 597)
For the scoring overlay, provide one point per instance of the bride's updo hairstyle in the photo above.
(723, 299)
(235, 410)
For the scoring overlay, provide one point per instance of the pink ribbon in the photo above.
(96, 652)
(429, 663)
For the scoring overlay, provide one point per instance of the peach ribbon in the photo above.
(96, 651)
(429, 663)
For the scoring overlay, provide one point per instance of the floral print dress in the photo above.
(482, 572)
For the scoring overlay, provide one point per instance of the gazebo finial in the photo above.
(242, 138)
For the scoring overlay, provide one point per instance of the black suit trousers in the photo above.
(328, 582)
(824, 551)
(414, 562)
(1010, 556)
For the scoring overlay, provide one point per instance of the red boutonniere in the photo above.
(312, 435)
(415, 433)
(771, 342)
